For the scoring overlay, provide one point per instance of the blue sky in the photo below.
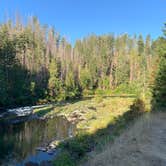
(77, 18)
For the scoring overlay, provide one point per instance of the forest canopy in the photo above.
(38, 64)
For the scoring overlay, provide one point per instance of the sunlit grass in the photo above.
(106, 111)
(98, 111)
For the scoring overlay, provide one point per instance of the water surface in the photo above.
(18, 142)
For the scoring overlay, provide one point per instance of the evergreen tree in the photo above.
(159, 90)
(54, 83)
(43, 65)
(140, 45)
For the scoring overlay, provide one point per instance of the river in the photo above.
(18, 142)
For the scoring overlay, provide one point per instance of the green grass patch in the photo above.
(95, 138)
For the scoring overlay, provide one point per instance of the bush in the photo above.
(133, 88)
(138, 107)
(79, 146)
(64, 159)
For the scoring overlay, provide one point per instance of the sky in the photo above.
(76, 19)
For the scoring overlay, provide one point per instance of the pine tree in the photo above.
(54, 83)
(159, 90)
(140, 45)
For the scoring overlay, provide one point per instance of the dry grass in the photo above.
(142, 144)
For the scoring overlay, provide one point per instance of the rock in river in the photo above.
(43, 149)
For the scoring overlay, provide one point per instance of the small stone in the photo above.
(50, 152)
(41, 149)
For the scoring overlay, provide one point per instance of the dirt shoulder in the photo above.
(141, 144)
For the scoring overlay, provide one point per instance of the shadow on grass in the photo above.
(119, 96)
(75, 149)
(48, 108)
(43, 111)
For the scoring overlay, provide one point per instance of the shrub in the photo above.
(133, 88)
(138, 106)
(64, 159)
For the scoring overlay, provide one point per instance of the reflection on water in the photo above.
(18, 141)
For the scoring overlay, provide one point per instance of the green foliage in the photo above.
(64, 159)
(14, 87)
(104, 83)
(44, 66)
(78, 147)
(138, 107)
(32, 87)
(159, 90)
(158, 47)
(54, 83)
(134, 88)
(74, 150)
(101, 92)
(140, 45)
(85, 79)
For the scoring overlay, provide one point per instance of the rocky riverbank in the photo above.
(21, 114)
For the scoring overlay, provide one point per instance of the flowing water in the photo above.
(18, 142)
